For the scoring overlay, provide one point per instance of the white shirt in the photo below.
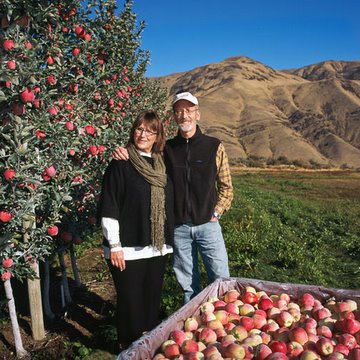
(111, 227)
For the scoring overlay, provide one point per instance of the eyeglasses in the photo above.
(186, 111)
(141, 130)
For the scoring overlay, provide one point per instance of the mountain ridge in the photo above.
(306, 115)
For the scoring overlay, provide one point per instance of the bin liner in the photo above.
(145, 347)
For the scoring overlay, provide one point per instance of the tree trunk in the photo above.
(34, 291)
(46, 297)
(20, 351)
(64, 279)
(74, 266)
(35, 302)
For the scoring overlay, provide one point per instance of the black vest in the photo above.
(191, 164)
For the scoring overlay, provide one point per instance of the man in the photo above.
(199, 169)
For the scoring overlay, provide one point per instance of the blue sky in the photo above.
(182, 35)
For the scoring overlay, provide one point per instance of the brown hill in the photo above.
(310, 114)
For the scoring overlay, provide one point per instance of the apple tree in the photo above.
(72, 79)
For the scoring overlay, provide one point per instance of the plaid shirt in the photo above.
(225, 192)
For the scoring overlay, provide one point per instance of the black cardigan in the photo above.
(125, 196)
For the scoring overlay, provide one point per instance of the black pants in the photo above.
(138, 290)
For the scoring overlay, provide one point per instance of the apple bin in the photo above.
(147, 346)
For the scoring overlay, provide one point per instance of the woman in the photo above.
(136, 210)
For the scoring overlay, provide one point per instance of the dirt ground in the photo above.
(84, 322)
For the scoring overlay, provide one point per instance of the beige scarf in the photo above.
(156, 177)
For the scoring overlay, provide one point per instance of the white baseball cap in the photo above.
(185, 96)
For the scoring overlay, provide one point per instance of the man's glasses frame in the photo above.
(185, 111)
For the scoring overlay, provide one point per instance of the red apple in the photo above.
(341, 307)
(9, 174)
(211, 350)
(341, 348)
(285, 297)
(79, 31)
(207, 336)
(277, 356)
(347, 340)
(239, 332)
(250, 298)
(66, 236)
(285, 319)
(262, 351)
(76, 51)
(171, 350)
(93, 150)
(294, 349)
(231, 295)
(246, 309)
(299, 335)
(321, 313)
(352, 304)
(7, 263)
(216, 324)
(53, 230)
(50, 171)
(188, 346)
(324, 330)
(259, 321)
(281, 304)
(310, 325)
(235, 351)
(27, 96)
(206, 317)
(178, 336)
(89, 129)
(324, 346)
(306, 299)
(265, 304)
(69, 125)
(11, 64)
(8, 44)
(282, 334)
(270, 327)
(191, 324)
(50, 60)
(261, 312)
(6, 276)
(51, 80)
(350, 326)
(278, 346)
(227, 340)
(247, 322)
(232, 308)
(354, 354)
(266, 337)
(273, 313)
(5, 216)
(309, 355)
(295, 313)
(234, 318)
(53, 110)
(40, 134)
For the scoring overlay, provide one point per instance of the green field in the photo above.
(295, 227)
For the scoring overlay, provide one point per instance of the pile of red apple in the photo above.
(255, 325)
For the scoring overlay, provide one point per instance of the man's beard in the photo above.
(187, 127)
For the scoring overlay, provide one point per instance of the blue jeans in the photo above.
(207, 239)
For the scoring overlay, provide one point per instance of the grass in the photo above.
(293, 227)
